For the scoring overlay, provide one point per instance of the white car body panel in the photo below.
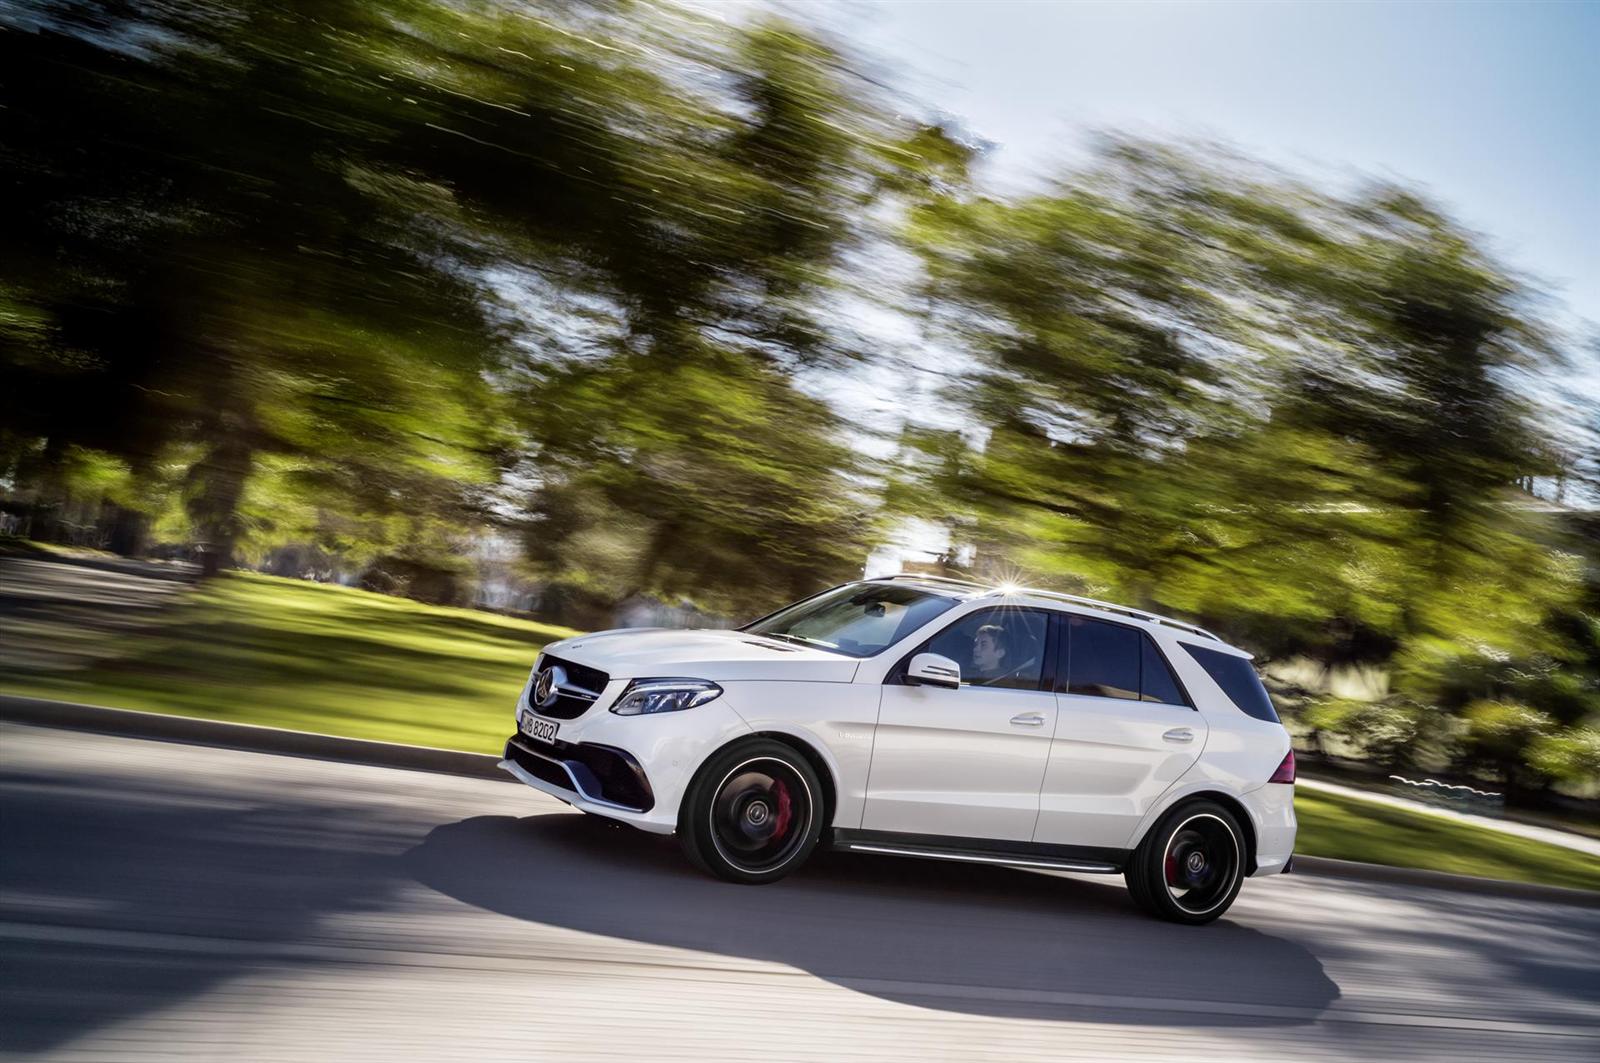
(1109, 765)
(953, 762)
(729, 655)
(836, 720)
(925, 761)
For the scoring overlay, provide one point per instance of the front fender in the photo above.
(841, 738)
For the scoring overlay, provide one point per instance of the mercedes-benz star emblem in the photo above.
(547, 684)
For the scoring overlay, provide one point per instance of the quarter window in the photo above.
(1238, 680)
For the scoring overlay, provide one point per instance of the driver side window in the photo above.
(1001, 647)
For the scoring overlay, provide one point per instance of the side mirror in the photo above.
(930, 669)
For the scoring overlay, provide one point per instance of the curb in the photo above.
(251, 738)
(1327, 867)
(254, 738)
(1578, 843)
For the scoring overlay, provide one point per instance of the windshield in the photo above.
(860, 619)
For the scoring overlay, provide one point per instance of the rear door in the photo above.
(967, 763)
(1125, 731)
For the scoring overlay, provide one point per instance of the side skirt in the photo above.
(1087, 858)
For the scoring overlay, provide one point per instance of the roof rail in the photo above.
(1096, 603)
(1122, 610)
(920, 578)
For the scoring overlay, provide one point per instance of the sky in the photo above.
(1492, 108)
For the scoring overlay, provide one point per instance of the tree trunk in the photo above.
(49, 499)
(130, 531)
(215, 507)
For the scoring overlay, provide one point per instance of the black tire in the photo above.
(752, 814)
(1141, 898)
(1190, 866)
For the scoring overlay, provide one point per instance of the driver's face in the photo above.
(986, 653)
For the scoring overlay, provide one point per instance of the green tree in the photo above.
(212, 259)
(1298, 417)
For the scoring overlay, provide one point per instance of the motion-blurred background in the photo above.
(533, 317)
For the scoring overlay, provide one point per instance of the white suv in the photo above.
(918, 716)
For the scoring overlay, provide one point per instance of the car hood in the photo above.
(636, 653)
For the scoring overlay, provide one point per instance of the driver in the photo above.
(989, 651)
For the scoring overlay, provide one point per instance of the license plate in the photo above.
(543, 730)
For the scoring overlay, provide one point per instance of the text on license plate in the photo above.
(543, 730)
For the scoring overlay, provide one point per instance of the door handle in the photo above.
(1179, 734)
(1028, 719)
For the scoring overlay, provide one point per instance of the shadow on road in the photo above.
(143, 896)
(61, 614)
(981, 940)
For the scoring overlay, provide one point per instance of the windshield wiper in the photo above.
(801, 639)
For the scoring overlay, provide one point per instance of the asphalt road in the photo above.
(61, 614)
(177, 902)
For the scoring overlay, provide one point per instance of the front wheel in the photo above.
(1190, 866)
(752, 814)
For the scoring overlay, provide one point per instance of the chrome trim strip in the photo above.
(522, 774)
(1007, 861)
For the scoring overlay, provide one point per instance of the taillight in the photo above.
(1285, 772)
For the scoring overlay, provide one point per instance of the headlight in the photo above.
(645, 696)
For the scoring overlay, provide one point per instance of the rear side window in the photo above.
(1238, 680)
(1105, 660)
(1102, 659)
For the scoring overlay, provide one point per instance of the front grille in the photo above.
(569, 706)
(581, 674)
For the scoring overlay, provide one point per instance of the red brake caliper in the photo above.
(1172, 870)
(785, 810)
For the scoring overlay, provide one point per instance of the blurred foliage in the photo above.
(339, 246)
(366, 285)
(1572, 756)
(1395, 733)
(214, 264)
(1202, 387)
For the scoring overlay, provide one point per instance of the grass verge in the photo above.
(1348, 828)
(287, 653)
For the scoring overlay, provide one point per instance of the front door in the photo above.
(967, 763)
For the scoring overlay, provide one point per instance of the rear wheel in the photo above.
(1190, 867)
(753, 813)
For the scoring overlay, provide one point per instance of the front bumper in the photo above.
(601, 775)
(663, 751)
(568, 773)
